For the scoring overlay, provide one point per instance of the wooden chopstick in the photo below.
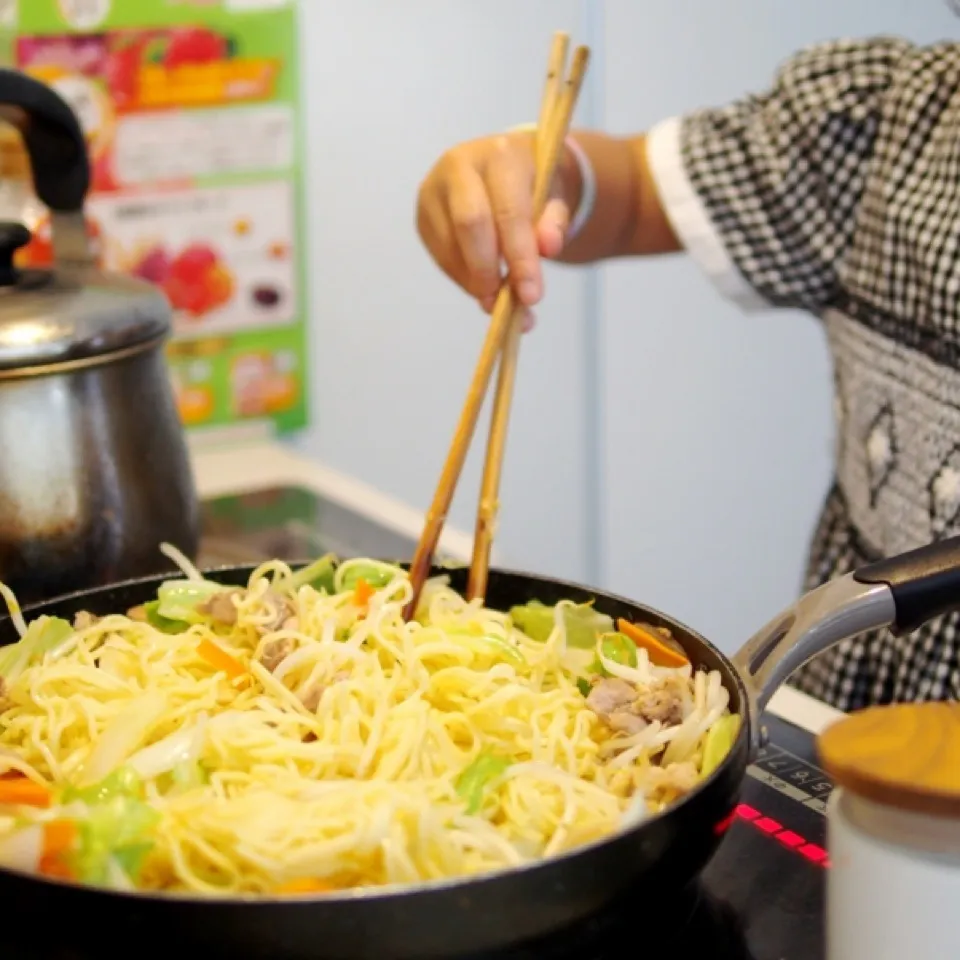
(489, 506)
(500, 320)
(559, 48)
(554, 123)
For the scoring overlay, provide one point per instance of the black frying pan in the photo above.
(459, 917)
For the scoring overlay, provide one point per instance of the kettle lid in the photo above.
(50, 317)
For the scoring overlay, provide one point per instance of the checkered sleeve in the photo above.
(764, 193)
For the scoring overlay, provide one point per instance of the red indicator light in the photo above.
(812, 852)
(790, 839)
(767, 825)
(724, 825)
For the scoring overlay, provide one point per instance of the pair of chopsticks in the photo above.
(502, 343)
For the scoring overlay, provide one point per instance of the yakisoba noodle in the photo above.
(293, 737)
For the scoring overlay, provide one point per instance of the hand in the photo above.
(475, 213)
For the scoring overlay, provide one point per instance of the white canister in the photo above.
(893, 834)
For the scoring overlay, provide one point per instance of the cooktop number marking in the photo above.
(781, 786)
(793, 777)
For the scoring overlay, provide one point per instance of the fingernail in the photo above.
(528, 321)
(527, 289)
(487, 303)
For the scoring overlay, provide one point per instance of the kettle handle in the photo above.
(53, 137)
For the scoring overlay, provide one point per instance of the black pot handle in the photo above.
(53, 137)
(924, 582)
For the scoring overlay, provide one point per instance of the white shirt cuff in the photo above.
(690, 220)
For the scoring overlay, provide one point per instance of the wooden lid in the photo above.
(905, 756)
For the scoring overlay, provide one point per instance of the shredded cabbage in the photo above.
(42, 636)
(582, 623)
(179, 599)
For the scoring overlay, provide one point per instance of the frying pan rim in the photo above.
(387, 892)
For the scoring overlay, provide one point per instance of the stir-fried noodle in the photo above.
(296, 735)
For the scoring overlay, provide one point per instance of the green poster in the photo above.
(191, 111)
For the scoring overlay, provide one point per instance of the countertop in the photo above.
(237, 467)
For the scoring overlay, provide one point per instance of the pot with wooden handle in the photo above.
(94, 472)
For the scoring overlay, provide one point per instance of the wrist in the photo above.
(582, 186)
(570, 176)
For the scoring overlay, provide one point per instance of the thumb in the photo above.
(552, 228)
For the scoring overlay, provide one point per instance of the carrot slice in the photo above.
(304, 885)
(22, 791)
(362, 593)
(59, 840)
(661, 655)
(59, 837)
(56, 869)
(219, 659)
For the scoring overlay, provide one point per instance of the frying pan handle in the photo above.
(901, 593)
(839, 609)
(925, 583)
(53, 137)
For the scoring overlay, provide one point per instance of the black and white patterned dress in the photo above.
(838, 191)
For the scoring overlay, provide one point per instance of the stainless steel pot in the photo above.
(94, 472)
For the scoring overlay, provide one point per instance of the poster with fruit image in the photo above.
(191, 113)
(222, 255)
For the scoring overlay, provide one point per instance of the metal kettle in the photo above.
(94, 470)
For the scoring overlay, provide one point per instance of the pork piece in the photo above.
(283, 611)
(682, 777)
(608, 696)
(83, 619)
(660, 703)
(677, 779)
(311, 698)
(220, 607)
(614, 701)
(625, 722)
(627, 710)
(276, 651)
